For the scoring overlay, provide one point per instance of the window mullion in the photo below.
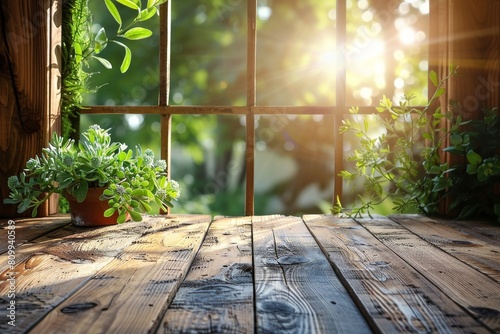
(340, 93)
(251, 101)
(166, 119)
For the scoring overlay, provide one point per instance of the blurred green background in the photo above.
(297, 62)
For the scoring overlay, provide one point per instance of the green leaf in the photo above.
(109, 212)
(146, 206)
(434, 78)
(146, 14)
(456, 139)
(107, 192)
(135, 216)
(129, 4)
(114, 12)
(471, 169)
(121, 218)
(483, 173)
(440, 92)
(126, 60)
(468, 211)
(137, 33)
(81, 191)
(122, 156)
(137, 193)
(104, 62)
(100, 40)
(103, 178)
(435, 170)
(473, 157)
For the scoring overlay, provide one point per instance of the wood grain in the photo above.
(131, 293)
(479, 252)
(394, 296)
(28, 229)
(476, 293)
(54, 266)
(217, 294)
(296, 290)
(28, 103)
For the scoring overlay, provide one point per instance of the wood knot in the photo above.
(74, 308)
(278, 308)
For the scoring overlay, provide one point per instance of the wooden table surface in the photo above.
(261, 274)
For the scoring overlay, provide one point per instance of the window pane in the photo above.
(296, 52)
(208, 161)
(387, 50)
(208, 64)
(293, 164)
(133, 130)
(140, 84)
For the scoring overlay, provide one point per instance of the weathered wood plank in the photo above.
(217, 294)
(296, 289)
(29, 229)
(473, 291)
(52, 267)
(488, 230)
(28, 104)
(132, 292)
(392, 294)
(479, 252)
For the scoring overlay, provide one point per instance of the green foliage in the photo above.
(396, 165)
(76, 42)
(132, 182)
(80, 46)
(126, 30)
(474, 180)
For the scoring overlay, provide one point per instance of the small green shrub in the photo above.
(473, 183)
(404, 164)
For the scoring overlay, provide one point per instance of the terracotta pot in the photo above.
(90, 212)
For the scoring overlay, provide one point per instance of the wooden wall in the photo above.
(473, 44)
(466, 33)
(29, 86)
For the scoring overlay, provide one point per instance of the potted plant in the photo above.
(125, 183)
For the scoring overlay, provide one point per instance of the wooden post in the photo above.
(30, 34)
(467, 35)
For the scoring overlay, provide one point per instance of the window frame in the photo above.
(251, 109)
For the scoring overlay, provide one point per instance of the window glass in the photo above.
(208, 52)
(296, 52)
(208, 161)
(294, 163)
(140, 84)
(297, 64)
(386, 50)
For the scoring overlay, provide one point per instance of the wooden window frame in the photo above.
(251, 109)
